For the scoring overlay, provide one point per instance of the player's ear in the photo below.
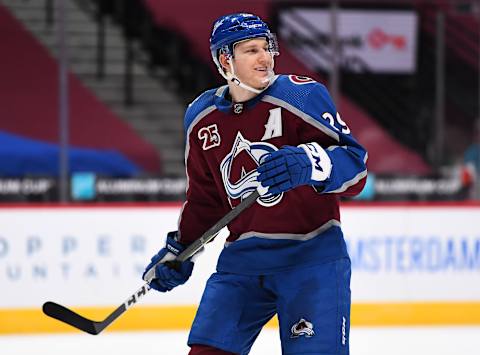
(224, 61)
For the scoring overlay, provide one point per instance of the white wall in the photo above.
(398, 254)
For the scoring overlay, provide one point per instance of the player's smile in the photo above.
(263, 71)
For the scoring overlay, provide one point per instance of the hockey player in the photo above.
(285, 254)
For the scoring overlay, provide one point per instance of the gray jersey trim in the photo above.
(349, 183)
(197, 119)
(299, 237)
(221, 90)
(304, 116)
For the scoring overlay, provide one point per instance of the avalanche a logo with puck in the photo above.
(239, 172)
(302, 327)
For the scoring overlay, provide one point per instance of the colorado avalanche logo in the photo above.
(302, 327)
(300, 80)
(239, 172)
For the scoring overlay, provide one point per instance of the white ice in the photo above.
(364, 341)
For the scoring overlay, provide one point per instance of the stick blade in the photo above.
(68, 316)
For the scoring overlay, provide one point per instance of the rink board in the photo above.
(412, 265)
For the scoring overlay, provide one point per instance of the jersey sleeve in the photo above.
(348, 157)
(203, 206)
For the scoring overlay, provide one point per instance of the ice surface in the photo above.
(364, 341)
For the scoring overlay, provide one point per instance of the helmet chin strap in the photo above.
(230, 76)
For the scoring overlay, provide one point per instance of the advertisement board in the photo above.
(407, 261)
(376, 41)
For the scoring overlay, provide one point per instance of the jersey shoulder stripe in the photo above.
(201, 106)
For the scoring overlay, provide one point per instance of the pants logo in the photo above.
(302, 327)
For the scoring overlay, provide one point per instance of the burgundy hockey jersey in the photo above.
(225, 143)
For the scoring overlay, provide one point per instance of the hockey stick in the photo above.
(72, 318)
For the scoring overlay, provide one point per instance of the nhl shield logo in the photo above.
(302, 327)
(237, 108)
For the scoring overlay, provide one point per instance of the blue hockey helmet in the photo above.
(233, 28)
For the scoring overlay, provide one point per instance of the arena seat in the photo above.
(29, 111)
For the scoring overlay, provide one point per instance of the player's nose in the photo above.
(264, 57)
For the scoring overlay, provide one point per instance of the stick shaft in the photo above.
(212, 232)
(206, 237)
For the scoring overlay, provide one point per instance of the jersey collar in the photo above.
(223, 101)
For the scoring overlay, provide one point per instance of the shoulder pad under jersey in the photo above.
(298, 90)
(203, 102)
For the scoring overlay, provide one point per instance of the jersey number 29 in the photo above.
(343, 126)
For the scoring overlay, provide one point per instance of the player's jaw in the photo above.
(255, 75)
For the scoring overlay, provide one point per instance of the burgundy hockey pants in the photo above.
(207, 350)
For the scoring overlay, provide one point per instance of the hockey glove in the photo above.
(167, 278)
(289, 167)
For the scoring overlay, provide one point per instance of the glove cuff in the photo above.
(321, 163)
(172, 245)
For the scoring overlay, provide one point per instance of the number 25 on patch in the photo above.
(343, 126)
(210, 136)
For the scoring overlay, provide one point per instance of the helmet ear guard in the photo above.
(273, 44)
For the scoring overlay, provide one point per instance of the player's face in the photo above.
(253, 62)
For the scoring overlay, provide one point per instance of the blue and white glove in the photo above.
(289, 167)
(165, 277)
